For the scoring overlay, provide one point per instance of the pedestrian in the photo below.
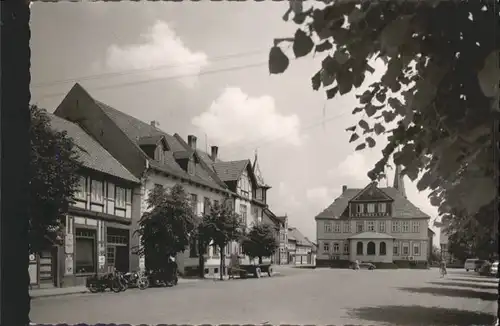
(442, 268)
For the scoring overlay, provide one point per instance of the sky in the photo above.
(201, 68)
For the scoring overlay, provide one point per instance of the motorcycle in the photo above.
(136, 279)
(98, 283)
(121, 280)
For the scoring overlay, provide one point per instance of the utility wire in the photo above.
(203, 73)
(139, 70)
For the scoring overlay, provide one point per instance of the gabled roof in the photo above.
(402, 207)
(295, 235)
(92, 155)
(230, 170)
(371, 235)
(136, 129)
(152, 140)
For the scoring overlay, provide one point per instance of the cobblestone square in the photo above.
(296, 296)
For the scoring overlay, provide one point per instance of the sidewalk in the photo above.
(52, 292)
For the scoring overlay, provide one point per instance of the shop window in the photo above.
(85, 251)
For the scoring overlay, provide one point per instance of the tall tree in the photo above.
(201, 239)
(165, 228)
(260, 241)
(222, 226)
(440, 85)
(53, 180)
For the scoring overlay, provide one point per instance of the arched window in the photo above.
(383, 248)
(359, 248)
(370, 249)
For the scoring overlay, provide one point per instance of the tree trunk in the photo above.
(222, 262)
(201, 260)
(260, 260)
(15, 163)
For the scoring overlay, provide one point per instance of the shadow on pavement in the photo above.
(477, 280)
(418, 315)
(464, 293)
(468, 285)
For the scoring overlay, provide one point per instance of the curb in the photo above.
(34, 297)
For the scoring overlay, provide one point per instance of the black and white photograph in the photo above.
(328, 162)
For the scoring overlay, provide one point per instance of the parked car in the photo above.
(485, 269)
(473, 264)
(494, 269)
(364, 265)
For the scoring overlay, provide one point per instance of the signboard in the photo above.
(69, 265)
(33, 271)
(142, 263)
(68, 243)
(102, 259)
(32, 257)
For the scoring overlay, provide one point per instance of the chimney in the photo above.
(192, 141)
(154, 124)
(344, 188)
(215, 150)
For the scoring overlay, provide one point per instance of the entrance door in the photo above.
(122, 259)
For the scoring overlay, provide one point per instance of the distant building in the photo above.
(299, 248)
(373, 224)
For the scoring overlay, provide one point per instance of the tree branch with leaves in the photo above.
(440, 86)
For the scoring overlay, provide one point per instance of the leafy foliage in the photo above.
(221, 225)
(440, 86)
(53, 180)
(260, 241)
(472, 237)
(164, 230)
(435, 254)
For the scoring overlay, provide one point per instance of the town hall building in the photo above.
(374, 224)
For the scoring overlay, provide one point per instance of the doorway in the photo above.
(117, 249)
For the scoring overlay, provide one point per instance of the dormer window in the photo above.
(159, 154)
(382, 207)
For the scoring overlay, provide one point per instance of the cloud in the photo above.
(236, 118)
(321, 196)
(162, 53)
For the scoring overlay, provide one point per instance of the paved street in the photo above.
(297, 296)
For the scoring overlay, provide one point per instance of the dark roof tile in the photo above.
(92, 154)
(230, 170)
(402, 208)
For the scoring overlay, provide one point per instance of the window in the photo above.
(347, 226)
(328, 227)
(405, 226)
(194, 203)
(336, 227)
(336, 248)
(370, 226)
(406, 249)
(81, 191)
(120, 197)
(416, 248)
(244, 185)
(206, 205)
(381, 226)
(370, 249)
(326, 247)
(97, 191)
(243, 214)
(395, 226)
(359, 248)
(382, 249)
(360, 227)
(382, 207)
(415, 226)
(395, 249)
(370, 208)
(359, 208)
(255, 214)
(110, 255)
(85, 253)
(346, 248)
